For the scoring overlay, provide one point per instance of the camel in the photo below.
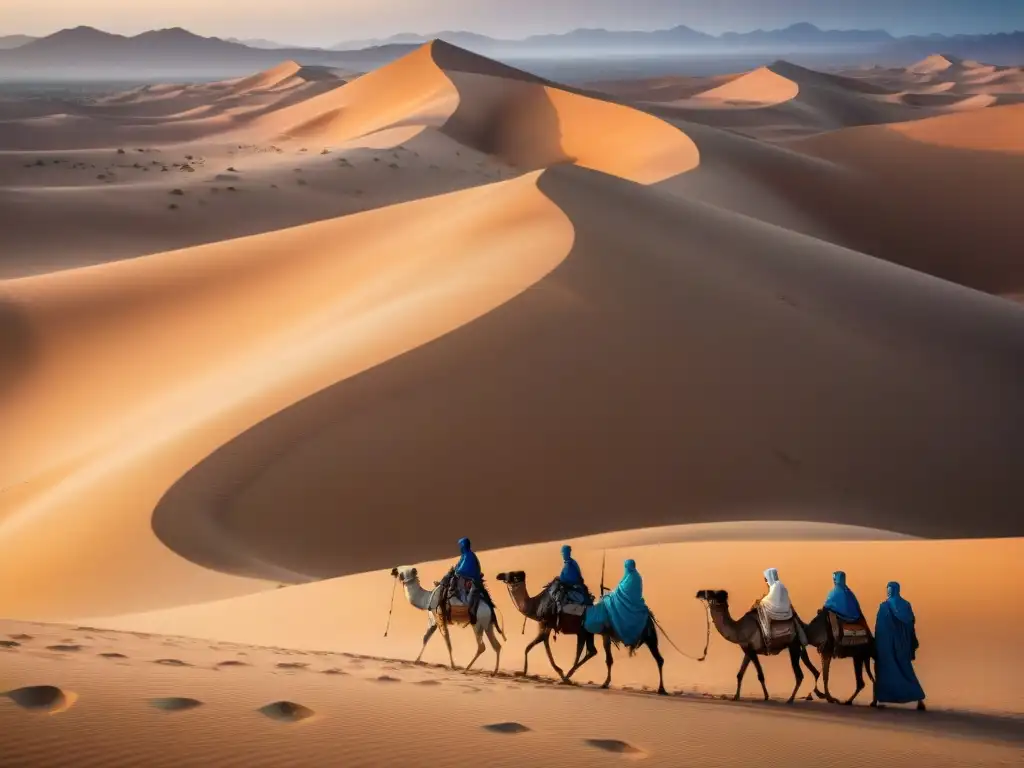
(540, 609)
(529, 607)
(429, 601)
(746, 633)
(819, 634)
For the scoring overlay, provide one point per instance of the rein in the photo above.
(707, 636)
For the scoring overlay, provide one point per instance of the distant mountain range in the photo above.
(1008, 47)
(87, 53)
(7, 42)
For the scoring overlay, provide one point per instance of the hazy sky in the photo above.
(330, 21)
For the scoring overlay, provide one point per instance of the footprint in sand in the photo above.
(64, 648)
(232, 663)
(42, 698)
(113, 655)
(9, 644)
(175, 703)
(291, 665)
(428, 682)
(334, 671)
(615, 746)
(388, 679)
(172, 662)
(287, 711)
(509, 728)
(21, 637)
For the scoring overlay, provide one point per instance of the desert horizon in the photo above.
(272, 344)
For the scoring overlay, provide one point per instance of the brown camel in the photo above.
(820, 635)
(746, 633)
(516, 582)
(541, 609)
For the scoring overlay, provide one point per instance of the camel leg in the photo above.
(739, 675)
(431, 629)
(858, 672)
(495, 645)
(760, 674)
(826, 668)
(652, 644)
(446, 634)
(480, 647)
(551, 656)
(588, 640)
(794, 658)
(814, 671)
(541, 637)
(608, 659)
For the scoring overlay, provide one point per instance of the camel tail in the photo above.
(497, 624)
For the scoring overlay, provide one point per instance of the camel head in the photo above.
(512, 577)
(714, 596)
(405, 574)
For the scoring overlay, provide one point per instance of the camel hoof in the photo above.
(808, 697)
(848, 703)
(606, 686)
(817, 693)
(566, 681)
(736, 697)
(662, 692)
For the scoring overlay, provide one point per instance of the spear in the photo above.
(604, 589)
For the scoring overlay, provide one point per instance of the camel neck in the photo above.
(725, 624)
(521, 597)
(417, 595)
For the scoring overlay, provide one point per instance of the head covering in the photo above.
(566, 551)
(464, 545)
(630, 566)
(900, 607)
(771, 575)
(841, 600)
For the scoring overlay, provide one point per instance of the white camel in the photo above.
(430, 601)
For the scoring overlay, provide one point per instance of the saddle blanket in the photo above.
(777, 634)
(849, 633)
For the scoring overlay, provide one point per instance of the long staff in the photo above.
(392, 608)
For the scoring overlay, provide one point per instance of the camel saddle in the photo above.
(849, 634)
(778, 634)
(570, 619)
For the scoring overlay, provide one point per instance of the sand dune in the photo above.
(298, 326)
(761, 87)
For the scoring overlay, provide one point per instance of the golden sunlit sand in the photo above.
(263, 340)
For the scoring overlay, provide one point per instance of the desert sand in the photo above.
(263, 340)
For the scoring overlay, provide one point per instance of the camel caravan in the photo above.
(621, 617)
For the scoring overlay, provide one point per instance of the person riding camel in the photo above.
(776, 605)
(841, 601)
(624, 608)
(569, 586)
(469, 578)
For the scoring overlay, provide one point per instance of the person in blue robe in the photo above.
(568, 587)
(841, 600)
(468, 570)
(623, 609)
(896, 644)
